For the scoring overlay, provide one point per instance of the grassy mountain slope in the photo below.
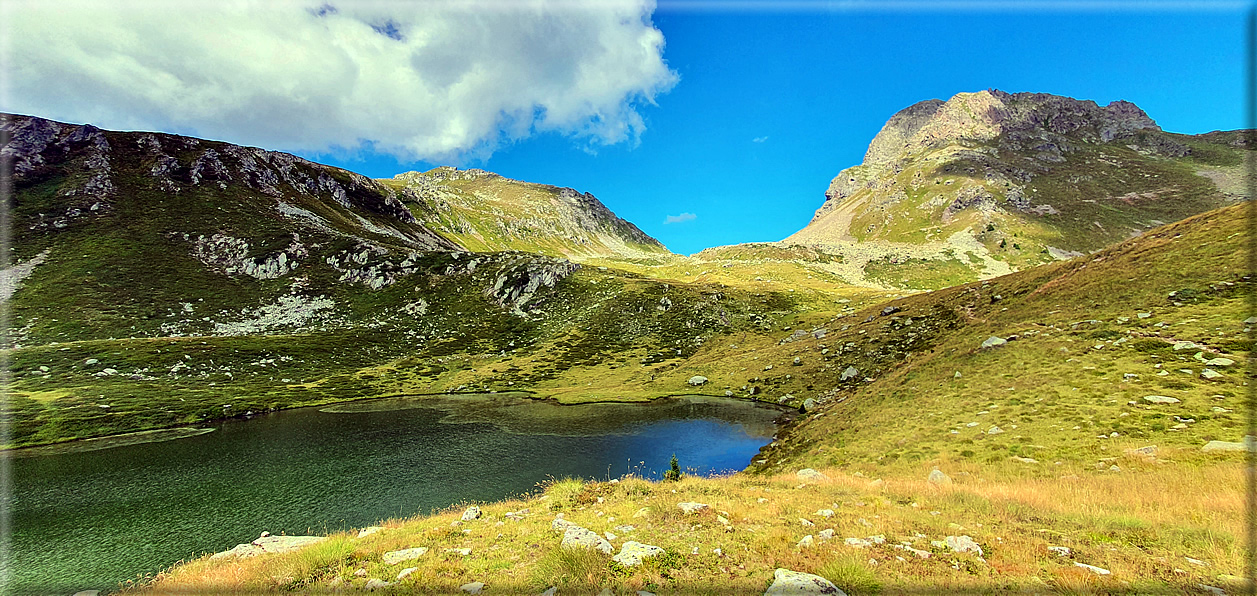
(485, 212)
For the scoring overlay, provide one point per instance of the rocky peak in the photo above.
(1014, 119)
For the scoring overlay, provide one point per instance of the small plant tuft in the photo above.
(674, 473)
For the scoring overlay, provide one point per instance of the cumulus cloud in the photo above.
(759, 139)
(420, 80)
(671, 219)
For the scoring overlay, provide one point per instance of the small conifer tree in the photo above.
(673, 474)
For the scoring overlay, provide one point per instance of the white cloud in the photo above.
(671, 219)
(759, 139)
(433, 80)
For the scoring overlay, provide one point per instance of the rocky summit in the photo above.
(990, 182)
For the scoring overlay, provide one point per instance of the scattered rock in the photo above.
(690, 507)
(797, 361)
(632, 553)
(810, 474)
(1025, 460)
(809, 404)
(561, 525)
(697, 380)
(825, 513)
(1214, 590)
(994, 430)
(464, 552)
(269, 544)
(963, 544)
(806, 542)
(551, 591)
(406, 572)
(1230, 445)
(471, 513)
(578, 537)
(807, 523)
(1093, 569)
(363, 533)
(1209, 373)
(850, 372)
(361, 572)
(408, 554)
(826, 535)
(786, 582)
(858, 542)
(1219, 362)
(992, 342)
(1161, 399)
(472, 588)
(374, 584)
(937, 477)
(1196, 562)
(1060, 551)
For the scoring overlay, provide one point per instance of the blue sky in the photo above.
(714, 123)
(772, 105)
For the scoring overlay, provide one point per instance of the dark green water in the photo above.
(90, 519)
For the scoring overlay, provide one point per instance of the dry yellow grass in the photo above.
(1140, 526)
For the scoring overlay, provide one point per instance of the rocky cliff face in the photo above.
(1030, 176)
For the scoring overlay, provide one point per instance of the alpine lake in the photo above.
(92, 514)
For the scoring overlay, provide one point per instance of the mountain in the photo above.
(485, 212)
(991, 182)
(145, 266)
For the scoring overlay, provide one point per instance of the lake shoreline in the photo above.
(179, 431)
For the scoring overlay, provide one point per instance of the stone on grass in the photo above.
(1221, 362)
(825, 513)
(561, 525)
(1025, 460)
(810, 474)
(368, 531)
(578, 537)
(787, 583)
(697, 380)
(858, 542)
(994, 430)
(938, 477)
(408, 554)
(993, 341)
(471, 513)
(850, 372)
(405, 572)
(632, 553)
(1229, 446)
(269, 544)
(1209, 373)
(806, 542)
(472, 588)
(690, 507)
(1161, 399)
(1061, 551)
(376, 584)
(809, 404)
(963, 544)
(807, 523)
(464, 552)
(1093, 568)
(551, 591)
